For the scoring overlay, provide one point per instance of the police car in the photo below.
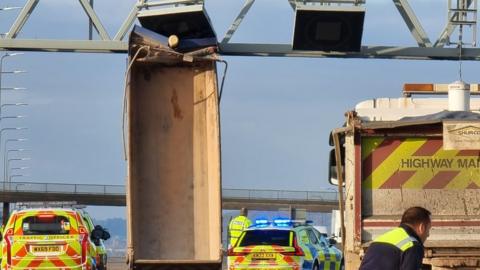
(283, 244)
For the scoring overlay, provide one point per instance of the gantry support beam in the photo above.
(412, 23)
(245, 49)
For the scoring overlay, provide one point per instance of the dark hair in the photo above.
(416, 215)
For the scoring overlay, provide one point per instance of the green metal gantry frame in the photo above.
(462, 13)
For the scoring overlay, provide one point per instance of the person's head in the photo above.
(243, 212)
(418, 218)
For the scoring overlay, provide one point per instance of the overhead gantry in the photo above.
(461, 23)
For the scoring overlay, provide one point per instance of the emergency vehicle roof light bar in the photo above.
(433, 89)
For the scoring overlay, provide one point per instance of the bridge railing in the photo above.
(250, 194)
(62, 188)
(327, 195)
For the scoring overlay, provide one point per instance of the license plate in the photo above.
(46, 249)
(263, 256)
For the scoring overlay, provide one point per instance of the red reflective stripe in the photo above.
(288, 259)
(58, 262)
(35, 262)
(468, 153)
(239, 259)
(71, 252)
(21, 253)
(429, 148)
(397, 179)
(441, 179)
(473, 186)
(374, 159)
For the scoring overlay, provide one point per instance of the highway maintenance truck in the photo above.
(173, 139)
(394, 153)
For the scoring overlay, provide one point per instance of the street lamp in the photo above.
(16, 175)
(10, 128)
(16, 71)
(5, 161)
(10, 8)
(13, 88)
(1, 70)
(15, 159)
(10, 104)
(6, 129)
(11, 117)
(5, 157)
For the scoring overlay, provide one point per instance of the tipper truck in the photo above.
(395, 153)
(173, 139)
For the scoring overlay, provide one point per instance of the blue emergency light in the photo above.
(282, 221)
(261, 222)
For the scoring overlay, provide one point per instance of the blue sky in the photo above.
(276, 113)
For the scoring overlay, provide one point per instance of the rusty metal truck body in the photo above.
(395, 155)
(173, 185)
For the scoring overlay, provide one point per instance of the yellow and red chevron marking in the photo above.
(22, 256)
(417, 163)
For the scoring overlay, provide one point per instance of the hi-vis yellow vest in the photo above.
(397, 237)
(237, 225)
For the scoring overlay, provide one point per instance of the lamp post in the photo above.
(16, 71)
(6, 129)
(16, 175)
(5, 160)
(10, 105)
(10, 8)
(6, 205)
(14, 159)
(5, 157)
(9, 128)
(13, 88)
(1, 72)
(11, 117)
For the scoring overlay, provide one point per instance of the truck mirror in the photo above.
(332, 165)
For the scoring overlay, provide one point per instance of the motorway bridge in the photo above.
(114, 195)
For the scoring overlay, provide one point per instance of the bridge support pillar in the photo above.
(6, 212)
(296, 213)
